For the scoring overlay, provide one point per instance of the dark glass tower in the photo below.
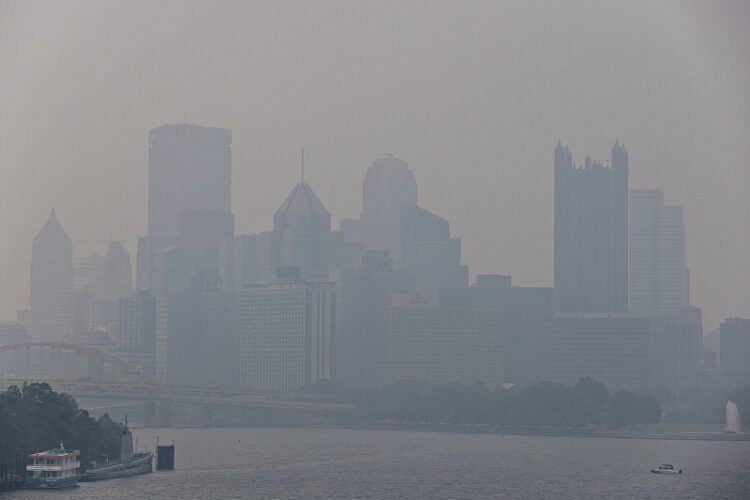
(189, 169)
(591, 233)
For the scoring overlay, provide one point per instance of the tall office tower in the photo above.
(189, 169)
(658, 283)
(437, 345)
(591, 233)
(302, 236)
(136, 331)
(208, 239)
(388, 183)
(428, 251)
(364, 289)
(51, 277)
(286, 335)
(734, 344)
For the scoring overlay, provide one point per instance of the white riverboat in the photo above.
(52, 469)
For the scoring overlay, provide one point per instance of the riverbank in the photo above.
(504, 430)
(554, 431)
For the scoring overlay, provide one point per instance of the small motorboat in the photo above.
(666, 469)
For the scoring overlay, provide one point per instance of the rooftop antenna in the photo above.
(302, 165)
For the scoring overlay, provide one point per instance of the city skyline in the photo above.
(481, 157)
(588, 164)
(375, 249)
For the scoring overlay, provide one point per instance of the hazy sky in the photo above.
(474, 95)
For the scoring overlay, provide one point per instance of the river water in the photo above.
(351, 464)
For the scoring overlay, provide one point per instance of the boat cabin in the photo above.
(53, 468)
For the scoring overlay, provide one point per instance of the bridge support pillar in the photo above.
(207, 416)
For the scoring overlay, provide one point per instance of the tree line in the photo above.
(548, 404)
(35, 418)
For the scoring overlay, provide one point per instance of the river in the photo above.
(351, 464)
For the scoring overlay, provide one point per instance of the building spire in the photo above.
(302, 165)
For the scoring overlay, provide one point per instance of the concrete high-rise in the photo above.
(658, 283)
(591, 233)
(189, 169)
(734, 338)
(51, 278)
(437, 345)
(286, 335)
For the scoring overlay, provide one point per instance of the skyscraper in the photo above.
(591, 233)
(734, 338)
(189, 169)
(388, 183)
(429, 252)
(51, 278)
(658, 283)
(114, 279)
(302, 236)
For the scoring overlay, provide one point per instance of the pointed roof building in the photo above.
(51, 277)
(302, 208)
(52, 233)
(302, 236)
